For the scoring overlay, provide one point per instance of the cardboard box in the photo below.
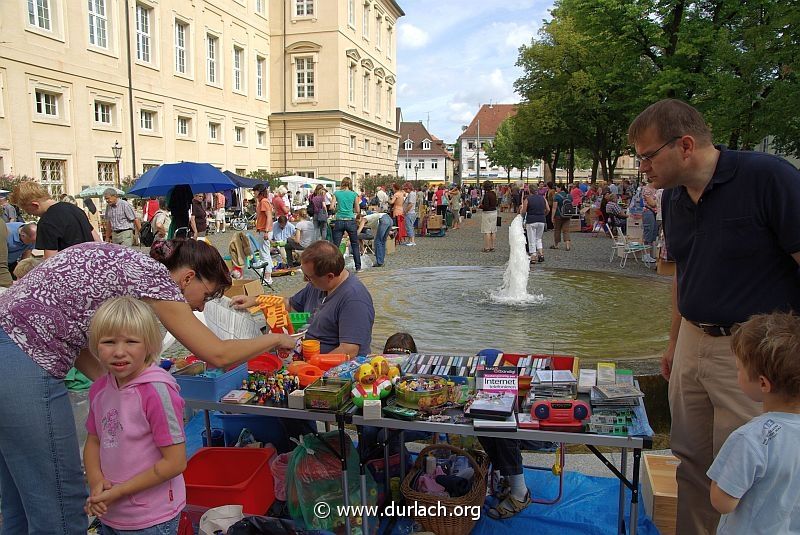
(665, 267)
(660, 491)
(244, 287)
(435, 222)
(391, 246)
(574, 225)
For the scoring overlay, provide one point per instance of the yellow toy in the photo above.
(381, 365)
(368, 385)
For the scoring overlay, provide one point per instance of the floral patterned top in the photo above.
(47, 312)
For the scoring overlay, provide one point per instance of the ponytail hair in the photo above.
(197, 255)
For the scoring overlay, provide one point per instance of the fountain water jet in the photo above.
(514, 290)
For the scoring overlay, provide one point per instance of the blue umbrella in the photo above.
(200, 177)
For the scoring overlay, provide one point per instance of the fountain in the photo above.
(514, 290)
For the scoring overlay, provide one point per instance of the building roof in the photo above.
(417, 133)
(490, 117)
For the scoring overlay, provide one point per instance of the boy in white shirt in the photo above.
(755, 478)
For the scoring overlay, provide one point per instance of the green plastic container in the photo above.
(299, 320)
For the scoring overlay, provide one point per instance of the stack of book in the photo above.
(554, 384)
(616, 396)
(495, 399)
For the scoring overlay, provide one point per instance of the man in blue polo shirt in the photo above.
(341, 307)
(21, 240)
(732, 224)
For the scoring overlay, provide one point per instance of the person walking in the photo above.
(560, 222)
(320, 211)
(345, 204)
(489, 217)
(409, 212)
(733, 228)
(535, 209)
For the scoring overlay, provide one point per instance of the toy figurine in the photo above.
(369, 386)
(380, 365)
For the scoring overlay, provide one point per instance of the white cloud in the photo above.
(412, 37)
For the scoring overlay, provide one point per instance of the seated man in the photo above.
(21, 239)
(286, 235)
(341, 307)
(617, 217)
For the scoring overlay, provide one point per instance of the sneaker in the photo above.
(648, 259)
(359, 270)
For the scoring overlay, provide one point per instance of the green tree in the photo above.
(272, 178)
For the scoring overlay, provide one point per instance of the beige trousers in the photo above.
(706, 405)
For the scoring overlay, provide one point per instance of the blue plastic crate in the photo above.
(211, 389)
(266, 429)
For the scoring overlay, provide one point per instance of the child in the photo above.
(135, 451)
(755, 478)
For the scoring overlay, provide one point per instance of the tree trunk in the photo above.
(595, 164)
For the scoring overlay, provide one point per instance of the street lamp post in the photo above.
(397, 170)
(416, 170)
(117, 149)
(478, 156)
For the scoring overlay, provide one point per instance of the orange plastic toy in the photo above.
(274, 312)
(326, 361)
(309, 374)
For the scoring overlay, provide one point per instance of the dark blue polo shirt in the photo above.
(345, 316)
(733, 248)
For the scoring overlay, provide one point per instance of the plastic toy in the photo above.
(274, 312)
(369, 386)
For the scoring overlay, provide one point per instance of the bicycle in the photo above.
(242, 220)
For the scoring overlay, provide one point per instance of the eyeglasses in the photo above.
(649, 157)
(211, 295)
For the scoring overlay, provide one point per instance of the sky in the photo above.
(454, 55)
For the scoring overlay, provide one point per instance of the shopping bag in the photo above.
(499, 221)
(220, 519)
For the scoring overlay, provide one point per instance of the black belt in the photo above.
(712, 329)
(122, 230)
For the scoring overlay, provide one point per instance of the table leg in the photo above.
(363, 479)
(402, 456)
(207, 420)
(623, 470)
(637, 455)
(343, 458)
(387, 480)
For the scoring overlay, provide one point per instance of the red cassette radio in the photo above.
(560, 414)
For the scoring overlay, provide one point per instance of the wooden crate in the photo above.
(660, 491)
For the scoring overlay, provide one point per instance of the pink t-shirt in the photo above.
(576, 195)
(47, 312)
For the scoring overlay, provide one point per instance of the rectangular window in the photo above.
(46, 104)
(181, 31)
(352, 142)
(408, 163)
(102, 113)
(351, 84)
(470, 145)
(143, 30)
(54, 172)
(213, 131)
(421, 164)
(146, 120)
(305, 141)
(106, 173)
(471, 164)
(305, 77)
(365, 91)
(378, 94)
(39, 13)
(239, 133)
(183, 126)
(351, 12)
(261, 137)
(98, 23)
(261, 66)
(366, 145)
(434, 164)
(304, 8)
(260, 7)
(211, 58)
(365, 22)
(378, 148)
(388, 42)
(378, 32)
(238, 59)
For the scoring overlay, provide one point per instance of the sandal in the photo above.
(554, 247)
(485, 250)
(509, 507)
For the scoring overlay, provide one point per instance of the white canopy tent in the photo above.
(297, 182)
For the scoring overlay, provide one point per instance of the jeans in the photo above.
(41, 479)
(170, 527)
(292, 245)
(649, 227)
(384, 226)
(411, 218)
(340, 226)
(322, 227)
